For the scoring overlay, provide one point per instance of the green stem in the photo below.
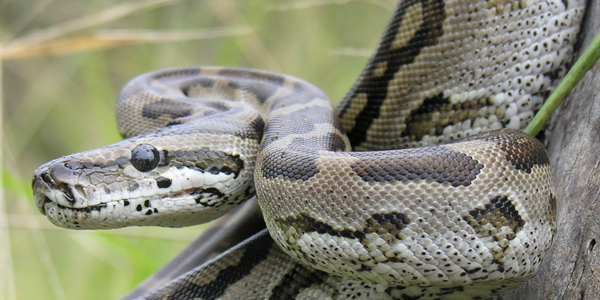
(583, 64)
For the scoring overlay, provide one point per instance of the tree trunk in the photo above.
(571, 270)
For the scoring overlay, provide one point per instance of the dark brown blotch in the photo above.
(173, 108)
(499, 212)
(207, 160)
(521, 150)
(428, 163)
(376, 87)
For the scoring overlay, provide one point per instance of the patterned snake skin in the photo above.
(453, 219)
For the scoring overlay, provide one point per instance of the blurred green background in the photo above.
(63, 64)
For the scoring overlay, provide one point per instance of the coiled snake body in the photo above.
(464, 219)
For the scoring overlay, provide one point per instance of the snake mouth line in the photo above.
(125, 202)
(87, 209)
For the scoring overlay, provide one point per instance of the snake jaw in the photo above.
(40, 201)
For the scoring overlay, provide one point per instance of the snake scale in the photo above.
(443, 198)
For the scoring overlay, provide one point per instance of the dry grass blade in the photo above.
(310, 3)
(253, 48)
(304, 4)
(32, 13)
(69, 27)
(7, 281)
(115, 38)
(350, 52)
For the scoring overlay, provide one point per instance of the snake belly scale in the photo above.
(468, 213)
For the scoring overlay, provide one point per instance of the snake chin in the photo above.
(44, 200)
(121, 213)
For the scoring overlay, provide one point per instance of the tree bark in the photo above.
(571, 270)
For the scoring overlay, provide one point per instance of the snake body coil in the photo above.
(463, 219)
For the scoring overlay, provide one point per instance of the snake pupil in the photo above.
(144, 157)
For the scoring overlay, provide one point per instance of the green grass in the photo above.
(60, 79)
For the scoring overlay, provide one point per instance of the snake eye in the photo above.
(144, 157)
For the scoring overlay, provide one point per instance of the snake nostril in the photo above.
(47, 179)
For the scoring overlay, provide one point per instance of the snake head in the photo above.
(143, 181)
